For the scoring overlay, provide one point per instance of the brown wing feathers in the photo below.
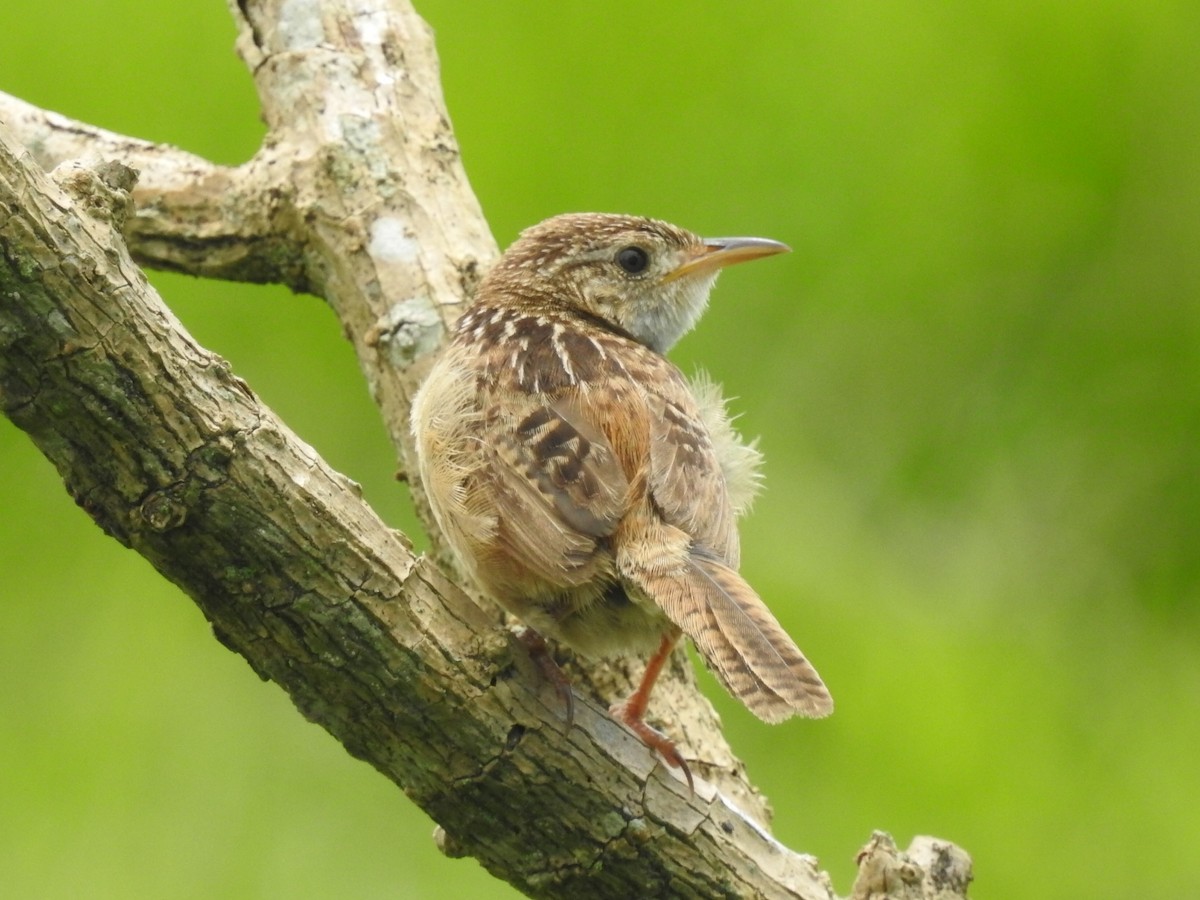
(557, 488)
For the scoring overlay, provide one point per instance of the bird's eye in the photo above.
(633, 260)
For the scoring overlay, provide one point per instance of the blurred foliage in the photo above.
(976, 382)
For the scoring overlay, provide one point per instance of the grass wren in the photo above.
(583, 482)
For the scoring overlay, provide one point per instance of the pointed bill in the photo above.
(717, 253)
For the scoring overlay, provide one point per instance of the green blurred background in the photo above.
(976, 382)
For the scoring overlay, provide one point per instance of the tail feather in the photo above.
(742, 643)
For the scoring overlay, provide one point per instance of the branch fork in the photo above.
(358, 196)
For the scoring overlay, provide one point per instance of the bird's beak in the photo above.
(716, 253)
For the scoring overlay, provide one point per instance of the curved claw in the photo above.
(627, 714)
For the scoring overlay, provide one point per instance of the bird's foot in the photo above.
(628, 713)
(548, 669)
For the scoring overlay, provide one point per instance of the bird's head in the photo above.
(649, 278)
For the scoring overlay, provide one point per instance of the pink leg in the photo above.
(631, 712)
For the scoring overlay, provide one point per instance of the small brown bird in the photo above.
(583, 483)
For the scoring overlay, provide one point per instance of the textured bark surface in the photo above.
(357, 196)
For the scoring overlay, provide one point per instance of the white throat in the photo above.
(671, 312)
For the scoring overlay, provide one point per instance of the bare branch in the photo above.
(191, 216)
(53, 139)
(359, 196)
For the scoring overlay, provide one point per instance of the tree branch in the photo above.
(191, 215)
(358, 196)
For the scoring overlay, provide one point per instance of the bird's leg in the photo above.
(541, 657)
(632, 710)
